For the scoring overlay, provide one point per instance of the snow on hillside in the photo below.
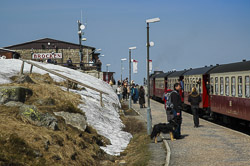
(104, 119)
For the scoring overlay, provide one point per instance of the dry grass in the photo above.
(137, 153)
(68, 146)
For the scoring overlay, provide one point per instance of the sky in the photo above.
(190, 34)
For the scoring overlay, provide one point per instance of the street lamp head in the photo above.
(82, 27)
(123, 59)
(152, 20)
(84, 39)
(132, 48)
(107, 64)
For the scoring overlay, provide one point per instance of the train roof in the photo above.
(201, 70)
(232, 67)
(177, 73)
(163, 75)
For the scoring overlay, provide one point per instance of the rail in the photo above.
(62, 76)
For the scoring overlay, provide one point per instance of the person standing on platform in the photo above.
(142, 97)
(176, 110)
(194, 98)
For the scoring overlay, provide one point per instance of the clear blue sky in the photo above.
(191, 33)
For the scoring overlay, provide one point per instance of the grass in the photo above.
(21, 143)
(68, 146)
(137, 153)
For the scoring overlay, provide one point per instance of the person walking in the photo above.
(194, 98)
(142, 97)
(176, 110)
(118, 92)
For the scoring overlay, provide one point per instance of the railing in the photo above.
(62, 76)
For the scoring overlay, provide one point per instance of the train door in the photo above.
(206, 91)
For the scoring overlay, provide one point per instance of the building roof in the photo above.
(163, 75)
(177, 73)
(198, 71)
(46, 43)
(6, 50)
(232, 67)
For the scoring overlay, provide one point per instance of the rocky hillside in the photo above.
(41, 124)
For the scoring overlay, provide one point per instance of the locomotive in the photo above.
(225, 90)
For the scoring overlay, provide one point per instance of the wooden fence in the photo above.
(69, 80)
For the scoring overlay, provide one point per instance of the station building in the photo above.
(59, 51)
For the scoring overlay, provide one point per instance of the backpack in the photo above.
(167, 98)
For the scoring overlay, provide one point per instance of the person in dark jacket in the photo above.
(194, 98)
(177, 105)
(142, 97)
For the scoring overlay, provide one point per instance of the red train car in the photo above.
(198, 78)
(152, 83)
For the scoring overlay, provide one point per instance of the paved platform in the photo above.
(209, 144)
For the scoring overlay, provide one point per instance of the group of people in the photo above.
(137, 93)
(173, 105)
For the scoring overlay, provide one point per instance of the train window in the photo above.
(216, 86)
(239, 86)
(221, 85)
(212, 85)
(227, 86)
(247, 86)
(233, 91)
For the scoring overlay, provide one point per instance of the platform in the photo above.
(210, 144)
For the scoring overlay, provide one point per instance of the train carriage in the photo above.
(175, 78)
(152, 83)
(197, 78)
(230, 90)
(161, 84)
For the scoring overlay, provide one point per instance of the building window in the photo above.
(227, 86)
(221, 85)
(233, 91)
(247, 88)
(239, 86)
(212, 85)
(216, 86)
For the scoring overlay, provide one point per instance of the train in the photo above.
(225, 90)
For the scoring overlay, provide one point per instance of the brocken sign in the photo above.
(47, 56)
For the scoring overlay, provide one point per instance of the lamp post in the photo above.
(80, 33)
(123, 59)
(107, 72)
(149, 116)
(130, 48)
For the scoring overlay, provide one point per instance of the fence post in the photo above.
(68, 85)
(101, 99)
(21, 71)
(31, 67)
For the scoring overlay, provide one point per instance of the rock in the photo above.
(35, 117)
(74, 119)
(24, 79)
(14, 93)
(50, 121)
(14, 104)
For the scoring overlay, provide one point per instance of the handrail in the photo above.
(62, 76)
